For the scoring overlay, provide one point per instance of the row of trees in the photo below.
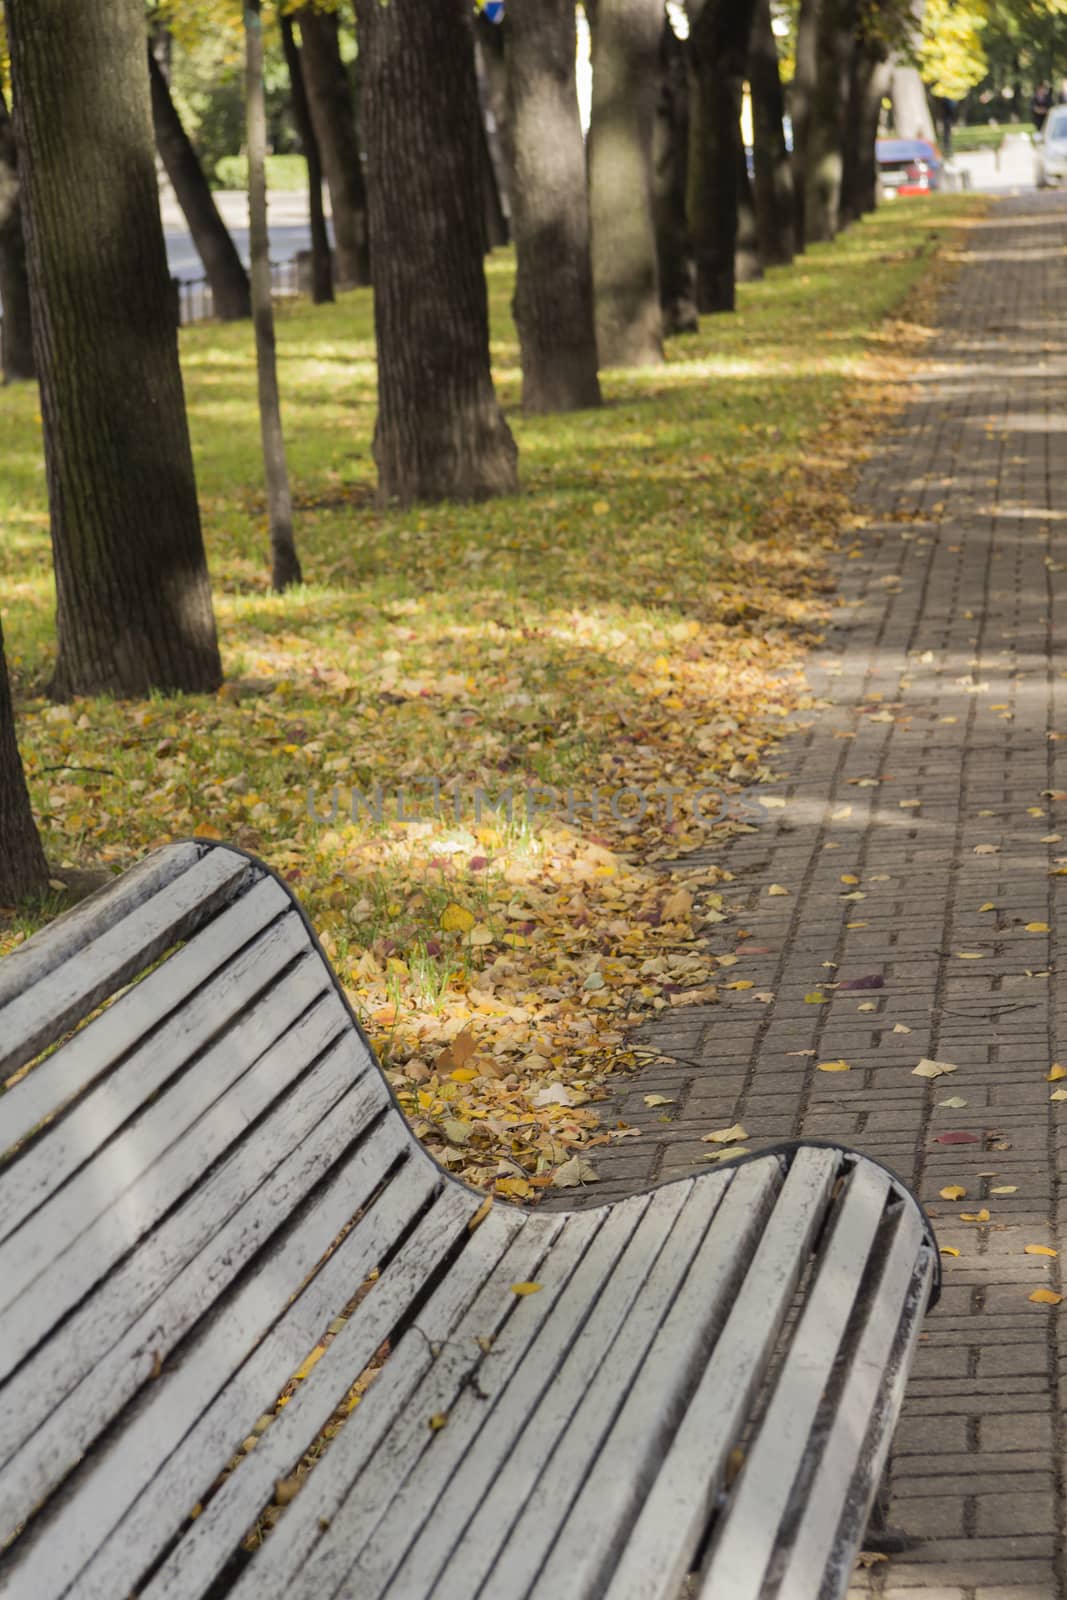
(614, 245)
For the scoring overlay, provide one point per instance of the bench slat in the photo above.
(545, 1508)
(669, 1527)
(746, 1537)
(421, 1470)
(112, 1344)
(353, 1457)
(503, 1467)
(40, 1015)
(193, 1466)
(625, 1470)
(863, 1417)
(76, 1065)
(52, 946)
(185, 1142)
(184, 1391)
(209, 1541)
(38, 1171)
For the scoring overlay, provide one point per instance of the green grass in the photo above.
(635, 614)
(983, 137)
(283, 172)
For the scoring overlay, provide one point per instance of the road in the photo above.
(286, 219)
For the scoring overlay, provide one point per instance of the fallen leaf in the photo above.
(1045, 1297)
(741, 983)
(956, 1103)
(975, 1216)
(815, 998)
(867, 1005)
(286, 1489)
(949, 1250)
(571, 1175)
(849, 877)
(481, 1214)
(987, 849)
(1005, 1188)
(901, 1027)
(438, 1421)
(800, 1052)
(725, 1155)
(457, 919)
(1058, 1094)
(1036, 927)
(526, 1288)
(1056, 1072)
(556, 1094)
(1039, 1250)
(953, 1191)
(777, 888)
(907, 803)
(932, 1069)
(989, 906)
(833, 1066)
(658, 1100)
(970, 955)
(732, 1135)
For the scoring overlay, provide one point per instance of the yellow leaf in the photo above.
(1039, 1250)
(732, 1135)
(658, 1100)
(725, 1155)
(1037, 927)
(849, 877)
(833, 1066)
(815, 998)
(1045, 1297)
(949, 1250)
(953, 1191)
(1005, 1188)
(1056, 1072)
(1058, 1094)
(742, 983)
(989, 906)
(457, 919)
(601, 508)
(204, 830)
(777, 888)
(975, 1216)
(437, 1421)
(970, 955)
(526, 1288)
(464, 1075)
(481, 1214)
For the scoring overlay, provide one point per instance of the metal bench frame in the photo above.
(210, 1173)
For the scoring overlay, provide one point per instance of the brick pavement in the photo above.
(926, 774)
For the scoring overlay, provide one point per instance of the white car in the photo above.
(1051, 149)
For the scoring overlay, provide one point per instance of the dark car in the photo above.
(908, 166)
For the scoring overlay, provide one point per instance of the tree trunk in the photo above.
(868, 82)
(550, 211)
(23, 869)
(674, 252)
(133, 606)
(911, 107)
(225, 272)
(333, 116)
(773, 172)
(321, 262)
(285, 566)
(800, 98)
(16, 329)
(718, 55)
(626, 42)
(440, 434)
(748, 254)
(494, 222)
(826, 131)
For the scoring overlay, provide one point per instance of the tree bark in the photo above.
(333, 116)
(868, 82)
(440, 432)
(826, 132)
(494, 222)
(23, 869)
(16, 329)
(800, 98)
(748, 252)
(773, 172)
(223, 266)
(626, 43)
(718, 55)
(321, 259)
(670, 155)
(550, 211)
(285, 566)
(133, 606)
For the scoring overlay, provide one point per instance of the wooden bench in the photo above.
(211, 1175)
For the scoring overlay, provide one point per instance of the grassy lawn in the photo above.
(636, 616)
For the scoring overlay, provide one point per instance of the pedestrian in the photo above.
(1040, 105)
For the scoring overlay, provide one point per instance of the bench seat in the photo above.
(209, 1180)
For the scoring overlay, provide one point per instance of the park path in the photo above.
(935, 774)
